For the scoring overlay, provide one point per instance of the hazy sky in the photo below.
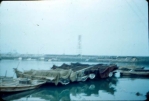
(107, 27)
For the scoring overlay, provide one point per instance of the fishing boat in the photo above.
(51, 76)
(98, 70)
(128, 68)
(54, 93)
(20, 84)
(103, 70)
(135, 73)
(64, 74)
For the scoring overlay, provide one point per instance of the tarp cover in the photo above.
(53, 75)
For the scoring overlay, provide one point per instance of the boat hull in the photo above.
(15, 87)
(134, 73)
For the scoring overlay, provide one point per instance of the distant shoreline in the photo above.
(79, 58)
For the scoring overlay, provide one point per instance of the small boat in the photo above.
(20, 84)
(51, 76)
(65, 74)
(134, 73)
(102, 70)
(99, 70)
(131, 68)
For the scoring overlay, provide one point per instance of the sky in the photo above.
(106, 27)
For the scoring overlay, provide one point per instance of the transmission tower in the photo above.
(79, 45)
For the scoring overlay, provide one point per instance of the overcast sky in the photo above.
(107, 27)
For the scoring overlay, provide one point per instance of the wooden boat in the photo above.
(131, 68)
(54, 93)
(65, 74)
(20, 84)
(103, 70)
(99, 70)
(85, 71)
(134, 73)
(15, 96)
(51, 76)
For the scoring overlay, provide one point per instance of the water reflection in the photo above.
(52, 92)
(92, 87)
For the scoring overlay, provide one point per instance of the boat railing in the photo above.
(24, 81)
(4, 78)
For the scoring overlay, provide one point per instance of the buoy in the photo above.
(110, 74)
(92, 76)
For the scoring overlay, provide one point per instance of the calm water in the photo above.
(114, 88)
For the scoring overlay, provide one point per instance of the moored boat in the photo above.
(134, 73)
(20, 84)
(64, 74)
(130, 68)
(99, 70)
(103, 70)
(51, 76)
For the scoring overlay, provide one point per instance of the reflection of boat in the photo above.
(56, 93)
(29, 59)
(16, 95)
(20, 85)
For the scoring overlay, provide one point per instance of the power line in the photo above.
(140, 20)
(139, 8)
(136, 13)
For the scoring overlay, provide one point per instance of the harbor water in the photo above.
(113, 88)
